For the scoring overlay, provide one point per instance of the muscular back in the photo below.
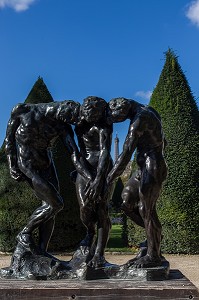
(32, 128)
(147, 127)
(36, 129)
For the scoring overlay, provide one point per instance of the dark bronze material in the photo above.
(141, 192)
(31, 131)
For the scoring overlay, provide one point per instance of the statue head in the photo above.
(68, 111)
(93, 109)
(118, 109)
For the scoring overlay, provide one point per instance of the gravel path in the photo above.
(187, 264)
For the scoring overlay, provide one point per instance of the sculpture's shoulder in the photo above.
(20, 109)
(148, 116)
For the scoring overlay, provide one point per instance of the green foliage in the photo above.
(116, 200)
(115, 240)
(68, 228)
(179, 206)
(124, 229)
(17, 200)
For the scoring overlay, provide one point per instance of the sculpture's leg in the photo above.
(88, 218)
(130, 197)
(46, 229)
(45, 233)
(104, 226)
(87, 214)
(52, 204)
(149, 192)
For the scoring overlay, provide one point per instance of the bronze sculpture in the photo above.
(94, 139)
(145, 134)
(32, 129)
(30, 132)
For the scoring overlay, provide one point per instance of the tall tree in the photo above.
(17, 200)
(179, 205)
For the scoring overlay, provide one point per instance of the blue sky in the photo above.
(107, 48)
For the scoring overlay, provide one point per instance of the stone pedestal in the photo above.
(37, 277)
(25, 265)
(176, 287)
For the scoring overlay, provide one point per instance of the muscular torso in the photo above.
(93, 140)
(150, 142)
(89, 139)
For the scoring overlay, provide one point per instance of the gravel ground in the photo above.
(187, 264)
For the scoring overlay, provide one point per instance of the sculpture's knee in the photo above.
(52, 210)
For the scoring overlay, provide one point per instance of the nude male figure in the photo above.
(31, 131)
(94, 139)
(141, 192)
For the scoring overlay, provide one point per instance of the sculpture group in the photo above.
(31, 132)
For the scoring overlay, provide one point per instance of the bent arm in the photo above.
(10, 145)
(104, 157)
(76, 158)
(94, 190)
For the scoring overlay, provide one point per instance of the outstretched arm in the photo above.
(77, 160)
(95, 188)
(128, 149)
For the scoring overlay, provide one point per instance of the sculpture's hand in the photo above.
(16, 174)
(92, 190)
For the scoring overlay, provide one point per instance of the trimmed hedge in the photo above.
(179, 202)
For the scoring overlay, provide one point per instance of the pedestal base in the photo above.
(177, 287)
(25, 265)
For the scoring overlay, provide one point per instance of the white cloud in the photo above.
(143, 94)
(193, 12)
(17, 5)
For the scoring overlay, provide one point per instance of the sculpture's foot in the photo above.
(142, 252)
(86, 244)
(87, 241)
(97, 262)
(145, 262)
(27, 242)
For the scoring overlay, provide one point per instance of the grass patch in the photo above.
(115, 239)
(119, 250)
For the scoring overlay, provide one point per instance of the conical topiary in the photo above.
(179, 201)
(39, 93)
